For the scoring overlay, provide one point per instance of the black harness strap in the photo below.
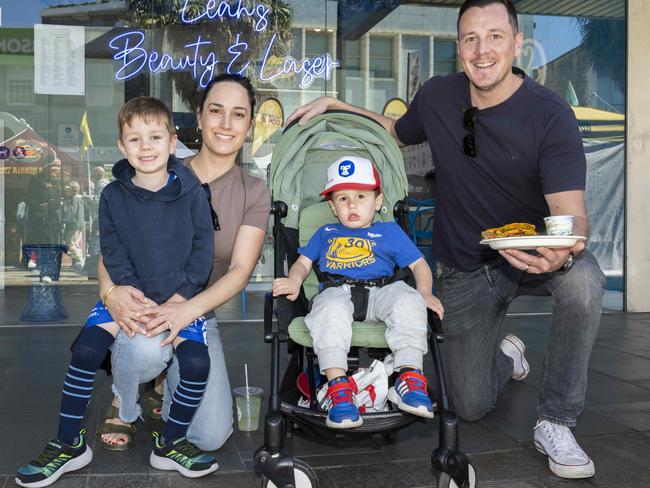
(360, 289)
(359, 298)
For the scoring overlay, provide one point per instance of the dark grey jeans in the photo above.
(475, 304)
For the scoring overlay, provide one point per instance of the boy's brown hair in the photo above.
(147, 108)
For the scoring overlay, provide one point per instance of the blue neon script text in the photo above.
(197, 57)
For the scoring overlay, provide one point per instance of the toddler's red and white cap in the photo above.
(352, 173)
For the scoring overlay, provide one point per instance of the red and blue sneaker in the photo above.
(410, 394)
(341, 398)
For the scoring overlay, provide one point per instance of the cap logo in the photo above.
(346, 168)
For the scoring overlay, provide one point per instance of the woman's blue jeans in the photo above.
(475, 304)
(140, 359)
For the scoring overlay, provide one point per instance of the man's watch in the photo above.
(569, 262)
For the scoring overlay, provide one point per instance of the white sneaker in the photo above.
(566, 458)
(512, 347)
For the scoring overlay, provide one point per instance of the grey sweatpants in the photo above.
(398, 305)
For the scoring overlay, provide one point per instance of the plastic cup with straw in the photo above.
(248, 400)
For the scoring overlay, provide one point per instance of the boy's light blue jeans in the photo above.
(475, 304)
(141, 359)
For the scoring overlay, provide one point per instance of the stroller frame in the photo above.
(277, 466)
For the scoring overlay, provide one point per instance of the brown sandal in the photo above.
(129, 431)
(151, 401)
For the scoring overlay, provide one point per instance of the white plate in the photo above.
(532, 242)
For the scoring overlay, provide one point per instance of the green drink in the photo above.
(248, 404)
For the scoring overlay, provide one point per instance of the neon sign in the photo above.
(224, 9)
(201, 61)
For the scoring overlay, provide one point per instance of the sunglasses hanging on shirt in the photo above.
(470, 119)
(213, 213)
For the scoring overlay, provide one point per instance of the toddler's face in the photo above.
(147, 144)
(356, 208)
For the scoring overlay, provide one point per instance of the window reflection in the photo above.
(386, 50)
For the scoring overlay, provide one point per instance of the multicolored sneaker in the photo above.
(343, 412)
(56, 459)
(182, 456)
(410, 394)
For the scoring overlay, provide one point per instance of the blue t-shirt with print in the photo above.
(361, 254)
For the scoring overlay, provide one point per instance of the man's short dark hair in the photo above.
(512, 11)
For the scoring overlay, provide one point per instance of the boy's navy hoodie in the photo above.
(159, 242)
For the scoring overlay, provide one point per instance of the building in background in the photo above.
(365, 52)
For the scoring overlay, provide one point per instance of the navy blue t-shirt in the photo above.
(528, 146)
(361, 254)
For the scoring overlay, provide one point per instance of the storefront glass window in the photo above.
(54, 100)
(444, 55)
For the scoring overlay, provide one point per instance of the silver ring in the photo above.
(169, 325)
(527, 267)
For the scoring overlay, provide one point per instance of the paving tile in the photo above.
(520, 463)
(620, 365)
(140, 480)
(511, 484)
(480, 437)
(633, 414)
(237, 479)
(637, 345)
(616, 409)
(413, 441)
(549, 482)
(324, 480)
(516, 411)
(642, 383)
(329, 451)
(419, 440)
(23, 438)
(420, 470)
(335, 459)
(619, 458)
(592, 423)
(11, 347)
(638, 484)
(388, 475)
(603, 390)
(624, 320)
(229, 457)
(73, 480)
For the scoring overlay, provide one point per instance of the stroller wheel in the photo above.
(445, 480)
(303, 474)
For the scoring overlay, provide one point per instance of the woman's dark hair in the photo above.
(512, 11)
(242, 81)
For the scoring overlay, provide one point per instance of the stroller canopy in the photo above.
(301, 158)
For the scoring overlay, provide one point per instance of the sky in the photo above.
(557, 35)
(25, 13)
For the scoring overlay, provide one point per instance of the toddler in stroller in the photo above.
(357, 260)
(297, 173)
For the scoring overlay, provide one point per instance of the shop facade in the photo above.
(66, 68)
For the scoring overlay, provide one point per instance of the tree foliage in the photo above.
(604, 44)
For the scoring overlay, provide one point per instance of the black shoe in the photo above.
(182, 456)
(56, 459)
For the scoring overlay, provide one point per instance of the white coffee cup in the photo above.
(559, 225)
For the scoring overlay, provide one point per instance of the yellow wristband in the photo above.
(105, 296)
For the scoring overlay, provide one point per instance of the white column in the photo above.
(637, 203)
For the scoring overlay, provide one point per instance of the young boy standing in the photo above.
(156, 235)
(359, 251)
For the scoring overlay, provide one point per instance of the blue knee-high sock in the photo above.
(194, 366)
(88, 354)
